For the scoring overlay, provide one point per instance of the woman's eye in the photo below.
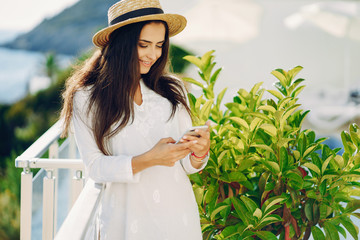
(159, 46)
(142, 46)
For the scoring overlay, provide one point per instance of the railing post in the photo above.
(54, 153)
(48, 206)
(77, 181)
(26, 204)
(77, 185)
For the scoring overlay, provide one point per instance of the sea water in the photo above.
(18, 67)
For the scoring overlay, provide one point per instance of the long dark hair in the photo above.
(113, 76)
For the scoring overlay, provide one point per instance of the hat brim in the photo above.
(176, 23)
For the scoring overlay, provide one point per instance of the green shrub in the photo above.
(10, 216)
(267, 178)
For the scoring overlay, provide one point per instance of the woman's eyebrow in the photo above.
(143, 40)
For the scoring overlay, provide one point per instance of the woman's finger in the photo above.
(167, 140)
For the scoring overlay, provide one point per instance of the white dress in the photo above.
(157, 203)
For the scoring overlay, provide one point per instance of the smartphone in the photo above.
(191, 131)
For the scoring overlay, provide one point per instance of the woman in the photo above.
(127, 115)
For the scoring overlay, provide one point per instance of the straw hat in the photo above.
(126, 12)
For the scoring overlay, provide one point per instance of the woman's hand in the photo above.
(165, 153)
(201, 144)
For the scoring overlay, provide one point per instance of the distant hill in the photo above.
(69, 32)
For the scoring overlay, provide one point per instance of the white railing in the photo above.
(59, 157)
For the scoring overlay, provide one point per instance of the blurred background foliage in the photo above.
(26, 120)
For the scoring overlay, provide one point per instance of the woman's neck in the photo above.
(138, 96)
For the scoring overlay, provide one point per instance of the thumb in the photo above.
(208, 123)
(167, 140)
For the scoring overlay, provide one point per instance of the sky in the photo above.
(23, 15)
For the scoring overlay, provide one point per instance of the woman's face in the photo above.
(151, 40)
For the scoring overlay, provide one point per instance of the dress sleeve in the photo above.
(99, 167)
(184, 124)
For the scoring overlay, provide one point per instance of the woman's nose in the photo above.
(151, 53)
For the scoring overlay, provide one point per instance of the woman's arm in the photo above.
(122, 168)
(164, 153)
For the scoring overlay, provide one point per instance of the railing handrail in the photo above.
(40, 146)
(82, 213)
(55, 163)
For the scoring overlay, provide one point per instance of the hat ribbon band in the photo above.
(136, 13)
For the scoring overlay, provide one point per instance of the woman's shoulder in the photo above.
(82, 95)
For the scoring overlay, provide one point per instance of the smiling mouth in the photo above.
(146, 63)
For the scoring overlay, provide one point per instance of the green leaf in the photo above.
(316, 159)
(310, 149)
(341, 230)
(316, 212)
(263, 146)
(272, 166)
(312, 167)
(302, 144)
(250, 204)
(257, 213)
(283, 159)
(199, 193)
(192, 101)
(323, 211)
(268, 108)
(237, 177)
(198, 103)
(322, 188)
(279, 74)
(215, 75)
(325, 164)
(205, 111)
(211, 193)
(350, 227)
(271, 202)
(265, 221)
(331, 231)
(220, 97)
(352, 206)
(282, 103)
(196, 178)
(276, 94)
(265, 235)
(263, 181)
(221, 156)
(281, 88)
(228, 232)
(309, 210)
(217, 210)
(295, 180)
(206, 60)
(356, 215)
(260, 115)
(293, 72)
(296, 92)
(193, 81)
(317, 233)
(245, 164)
(241, 210)
(295, 84)
(339, 161)
(236, 108)
(256, 88)
(287, 114)
(254, 123)
(240, 122)
(269, 129)
(194, 60)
